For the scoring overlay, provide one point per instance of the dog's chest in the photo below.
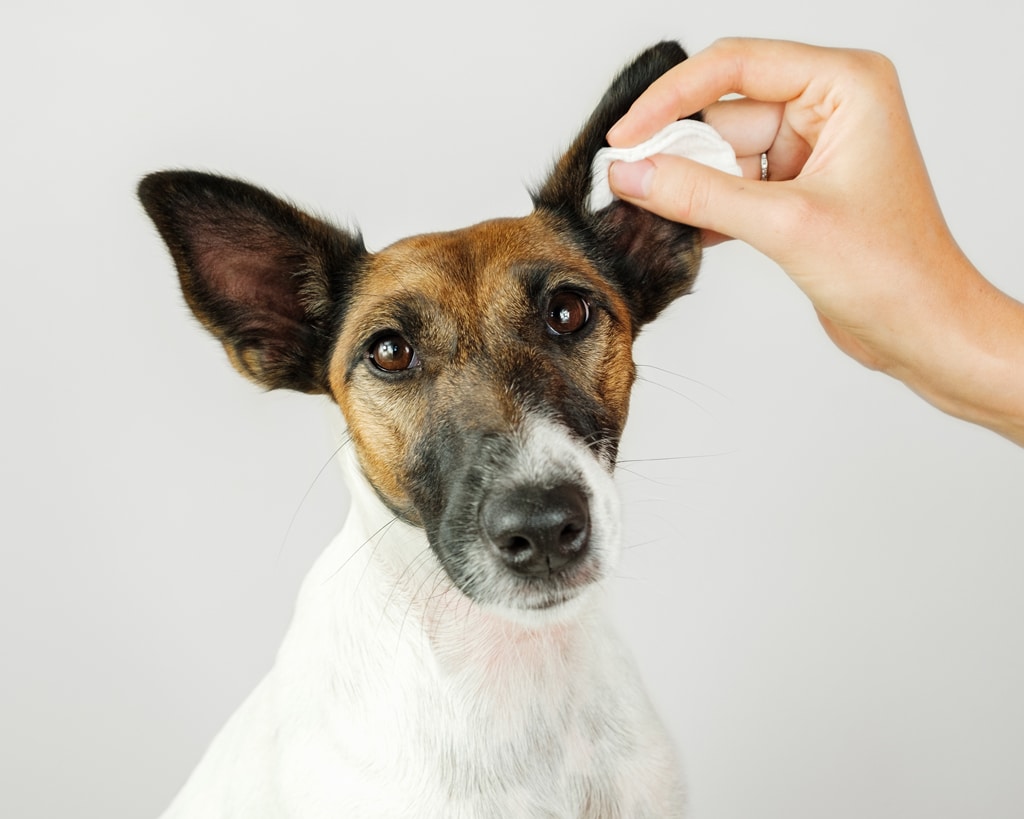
(531, 746)
(473, 719)
(386, 704)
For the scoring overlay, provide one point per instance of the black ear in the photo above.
(654, 261)
(265, 278)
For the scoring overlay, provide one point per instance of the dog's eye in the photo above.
(392, 353)
(567, 312)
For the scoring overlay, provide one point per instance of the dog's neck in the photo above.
(382, 570)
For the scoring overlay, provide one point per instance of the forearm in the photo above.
(971, 363)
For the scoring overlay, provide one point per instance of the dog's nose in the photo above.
(537, 531)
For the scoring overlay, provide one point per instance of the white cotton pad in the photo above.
(687, 138)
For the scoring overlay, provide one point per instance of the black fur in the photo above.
(272, 282)
(652, 260)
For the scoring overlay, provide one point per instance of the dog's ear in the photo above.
(654, 261)
(268, 280)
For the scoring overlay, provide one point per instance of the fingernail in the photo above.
(610, 136)
(632, 179)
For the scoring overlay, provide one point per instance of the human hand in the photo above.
(848, 212)
(849, 204)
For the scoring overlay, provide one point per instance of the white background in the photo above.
(825, 593)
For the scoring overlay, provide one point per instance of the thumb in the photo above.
(694, 194)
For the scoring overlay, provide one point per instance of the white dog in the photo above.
(450, 654)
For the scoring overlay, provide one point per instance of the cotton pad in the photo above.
(688, 138)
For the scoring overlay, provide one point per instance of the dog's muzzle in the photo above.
(520, 521)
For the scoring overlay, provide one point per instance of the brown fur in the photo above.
(301, 304)
(478, 329)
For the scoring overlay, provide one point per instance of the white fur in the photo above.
(393, 695)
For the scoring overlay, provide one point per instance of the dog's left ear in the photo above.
(653, 260)
(265, 278)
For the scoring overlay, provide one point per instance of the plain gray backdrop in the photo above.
(823, 574)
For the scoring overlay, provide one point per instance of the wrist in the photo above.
(970, 362)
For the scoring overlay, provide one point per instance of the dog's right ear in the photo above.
(268, 280)
(652, 259)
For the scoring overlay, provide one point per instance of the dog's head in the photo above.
(484, 374)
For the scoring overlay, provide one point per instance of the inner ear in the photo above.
(652, 259)
(268, 280)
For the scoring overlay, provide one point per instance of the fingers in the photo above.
(686, 191)
(788, 154)
(750, 126)
(754, 127)
(764, 70)
(750, 166)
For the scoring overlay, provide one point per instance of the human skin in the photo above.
(849, 213)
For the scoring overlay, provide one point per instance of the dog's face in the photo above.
(484, 374)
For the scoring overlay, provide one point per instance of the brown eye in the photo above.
(567, 313)
(393, 354)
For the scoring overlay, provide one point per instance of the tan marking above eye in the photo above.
(567, 312)
(392, 353)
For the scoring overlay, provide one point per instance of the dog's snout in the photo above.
(537, 531)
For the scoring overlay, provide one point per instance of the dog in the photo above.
(450, 654)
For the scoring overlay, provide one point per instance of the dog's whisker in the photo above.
(688, 398)
(680, 376)
(644, 477)
(438, 604)
(373, 536)
(452, 603)
(383, 533)
(694, 457)
(309, 489)
(599, 439)
(602, 443)
(408, 570)
(643, 543)
(431, 598)
(414, 596)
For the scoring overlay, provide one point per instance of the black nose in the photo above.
(537, 531)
